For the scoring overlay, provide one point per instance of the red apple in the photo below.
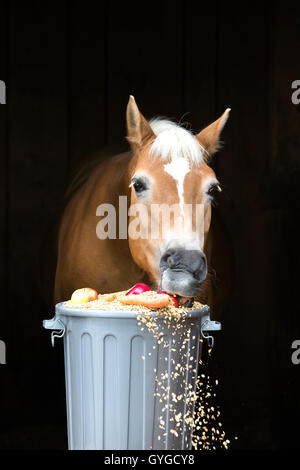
(138, 289)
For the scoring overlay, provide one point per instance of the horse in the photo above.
(166, 164)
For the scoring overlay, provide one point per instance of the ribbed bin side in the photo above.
(123, 374)
(87, 392)
(109, 384)
(124, 388)
(192, 358)
(111, 393)
(150, 366)
(69, 403)
(136, 411)
(82, 392)
(161, 415)
(74, 389)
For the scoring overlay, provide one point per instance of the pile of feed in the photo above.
(137, 299)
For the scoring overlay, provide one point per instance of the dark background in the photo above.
(69, 68)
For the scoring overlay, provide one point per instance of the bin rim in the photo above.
(63, 310)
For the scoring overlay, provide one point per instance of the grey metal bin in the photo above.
(111, 370)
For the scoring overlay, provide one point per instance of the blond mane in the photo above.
(174, 141)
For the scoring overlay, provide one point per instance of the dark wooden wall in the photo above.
(69, 68)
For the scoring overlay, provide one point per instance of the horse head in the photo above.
(169, 178)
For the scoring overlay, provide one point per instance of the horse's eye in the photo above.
(139, 186)
(213, 191)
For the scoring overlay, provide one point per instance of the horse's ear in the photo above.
(209, 137)
(139, 129)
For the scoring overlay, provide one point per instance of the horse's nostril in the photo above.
(171, 262)
(167, 259)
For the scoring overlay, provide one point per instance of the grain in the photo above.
(110, 302)
(184, 406)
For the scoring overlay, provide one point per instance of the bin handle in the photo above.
(57, 325)
(206, 324)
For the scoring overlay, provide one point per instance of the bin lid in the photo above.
(61, 310)
(65, 310)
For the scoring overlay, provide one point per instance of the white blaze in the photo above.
(178, 168)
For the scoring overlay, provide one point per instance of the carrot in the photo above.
(151, 301)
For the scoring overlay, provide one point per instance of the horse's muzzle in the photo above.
(183, 271)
